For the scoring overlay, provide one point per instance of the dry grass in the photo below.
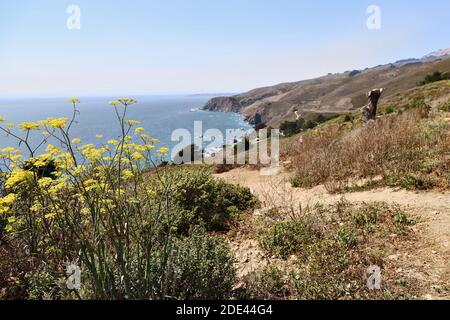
(407, 150)
(325, 251)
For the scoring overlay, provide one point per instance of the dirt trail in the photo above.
(428, 260)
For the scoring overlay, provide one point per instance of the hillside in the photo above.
(329, 95)
(380, 189)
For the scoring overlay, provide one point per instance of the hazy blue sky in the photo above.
(191, 46)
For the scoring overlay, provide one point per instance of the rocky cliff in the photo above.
(223, 104)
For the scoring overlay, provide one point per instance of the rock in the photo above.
(256, 120)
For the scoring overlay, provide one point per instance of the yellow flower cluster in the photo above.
(27, 126)
(55, 123)
(18, 177)
(127, 173)
(74, 100)
(137, 156)
(92, 153)
(52, 150)
(6, 203)
(10, 153)
(123, 101)
(132, 123)
(139, 130)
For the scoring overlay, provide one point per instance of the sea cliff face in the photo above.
(223, 104)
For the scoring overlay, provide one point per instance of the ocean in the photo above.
(159, 115)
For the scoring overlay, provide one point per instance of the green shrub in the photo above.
(201, 267)
(390, 110)
(349, 117)
(267, 284)
(366, 216)
(203, 199)
(324, 275)
(432, 77)
(43, 285)
(411, 181)
(290, 128)
(283, 239)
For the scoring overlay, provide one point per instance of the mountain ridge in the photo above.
(328, 95)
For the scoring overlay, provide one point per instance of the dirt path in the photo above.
(427, 260)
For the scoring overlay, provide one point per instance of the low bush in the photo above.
(331, 250)
(283, 239)
(290, 128)
(434, 77)
(205, 200)
(270, 283)
(201, 268)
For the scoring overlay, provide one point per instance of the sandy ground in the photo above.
(427, 259)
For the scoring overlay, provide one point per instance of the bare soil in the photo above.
(426, 259)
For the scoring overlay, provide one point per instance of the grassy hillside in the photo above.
(407, 147)
(332, 94)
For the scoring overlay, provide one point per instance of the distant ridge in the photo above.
(331, 94)
(438, 54)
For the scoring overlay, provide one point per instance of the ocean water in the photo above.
(159, 115)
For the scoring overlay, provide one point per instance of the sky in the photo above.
(134, 47)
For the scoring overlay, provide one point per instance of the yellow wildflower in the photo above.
(2, 119)
(126, 101)
(6, 203)
(163, 150)
(50, 216)
(17, 177)
(113, 142)
(99, 136)
(128, 174)
(74, 100)
(58, 123)
(27, 126)
(45, 182)
(9, 150)
(137, 156)
(132, 123)
(139, 130)
(76, 140)
(52, 149)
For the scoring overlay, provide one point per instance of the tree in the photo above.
(369, 112)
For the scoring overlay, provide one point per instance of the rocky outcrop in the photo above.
(223, 104)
